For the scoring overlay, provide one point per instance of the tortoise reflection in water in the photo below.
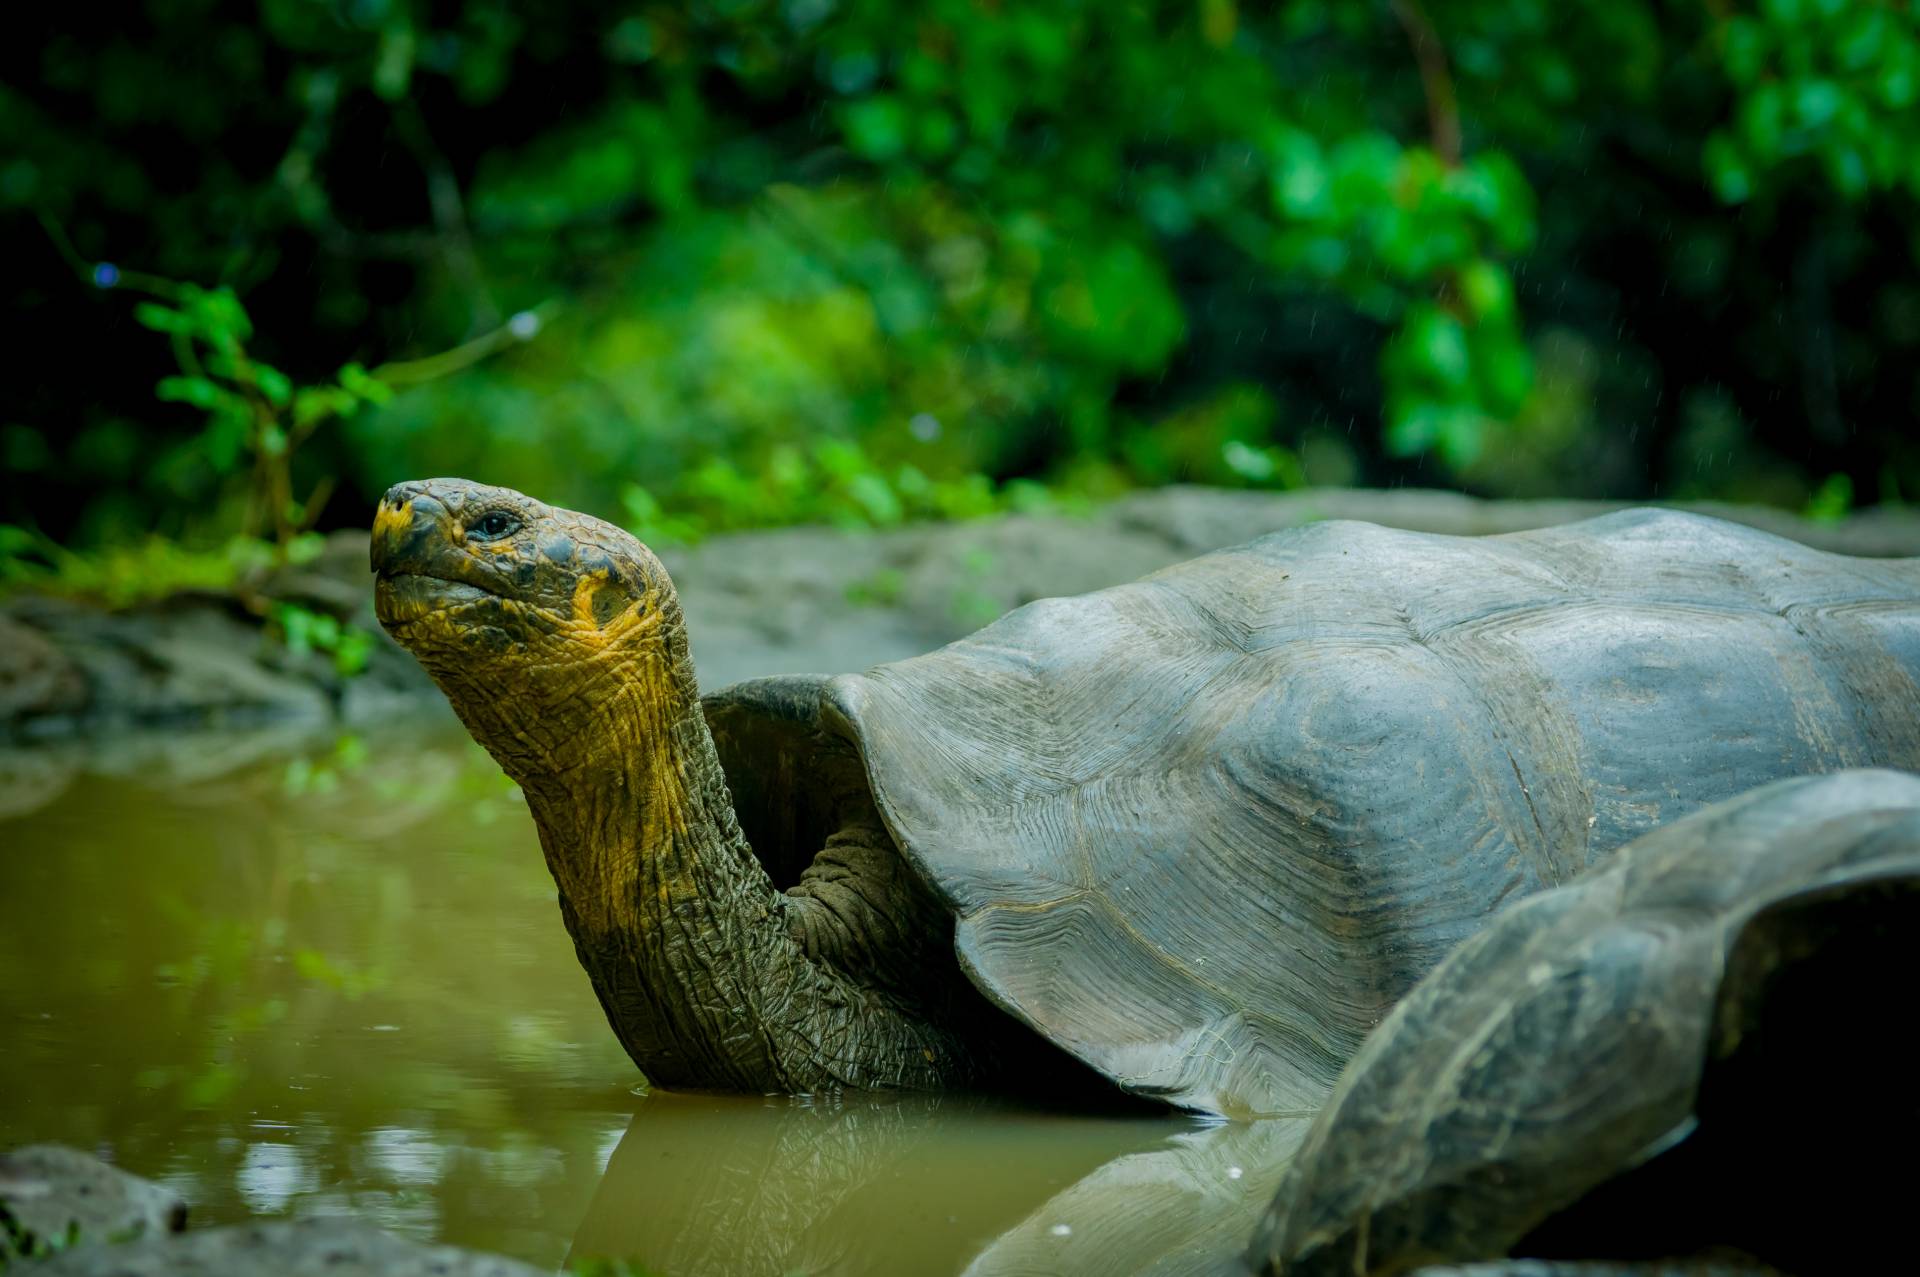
(1696, 1053)
(1200, 831)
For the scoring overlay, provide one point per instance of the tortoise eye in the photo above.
(493, 526)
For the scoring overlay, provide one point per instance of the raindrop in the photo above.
(525, 325)
(924, 426)
(1061, 1230)
(106, 275)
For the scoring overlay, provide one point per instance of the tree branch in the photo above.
(1443, 109)
(449, 214)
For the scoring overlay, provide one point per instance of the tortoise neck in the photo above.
(630, 787)
(703, 968)
(671, 914)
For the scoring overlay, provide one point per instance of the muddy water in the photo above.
(340, 986)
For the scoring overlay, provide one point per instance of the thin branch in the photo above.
(312, 206)
(90, 272)
(1443, 108)
(449, 213)
(316, 502)
(520, 328)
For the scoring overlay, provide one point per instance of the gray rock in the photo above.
(76, 670)
(1200, 519)
(99, 1221)
(52, 1193)
(299, 1248)
(816, 600)
(35, 676)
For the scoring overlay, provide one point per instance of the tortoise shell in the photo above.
(1204, 830)
(1639, 1066)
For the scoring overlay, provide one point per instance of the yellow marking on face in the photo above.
(629, 623)
(393, 522)
(583, 591)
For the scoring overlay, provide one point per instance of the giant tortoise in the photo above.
(1699, 1050)
(1200, 832)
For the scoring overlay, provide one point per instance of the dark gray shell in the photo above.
(1205, 829)
(1627, 1065)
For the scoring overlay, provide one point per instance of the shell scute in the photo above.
(1257, 795)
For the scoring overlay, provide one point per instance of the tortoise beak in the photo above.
(409, 526)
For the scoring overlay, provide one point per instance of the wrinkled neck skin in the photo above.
(710, 976)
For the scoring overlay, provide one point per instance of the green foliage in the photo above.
(255, 418)
(746, 363)
(881, 589)
(1832, 500)
(1410, 237)
(120, 576)
(124, 574)
(1821, 84)
(1072, 236)
(303, 631)
(833, 483)
(1220, 440)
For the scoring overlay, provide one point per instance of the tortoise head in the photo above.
(526, 615)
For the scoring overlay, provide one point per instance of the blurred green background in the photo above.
(725, 263)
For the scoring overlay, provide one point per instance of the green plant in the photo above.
(881, 588)
(1831, 501)
(304, 630)
(1824, 84)
(256, 419)
(1045, 235)
(157, 568)
(133, 572)
(832, 482)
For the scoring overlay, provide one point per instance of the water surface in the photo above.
(339, 985)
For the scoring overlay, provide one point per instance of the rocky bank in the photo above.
(195, 685)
